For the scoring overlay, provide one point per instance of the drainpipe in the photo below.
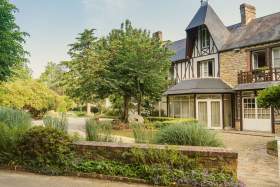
(278, 145)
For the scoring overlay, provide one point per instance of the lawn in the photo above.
(124, 132)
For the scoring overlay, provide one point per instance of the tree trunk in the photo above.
(88, 109)
(139, 105)
(126, 100)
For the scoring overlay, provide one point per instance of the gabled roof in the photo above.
(208, 17)
(261, 30)
(179, 47)
(209, 85)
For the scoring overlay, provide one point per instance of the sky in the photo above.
(54, 24)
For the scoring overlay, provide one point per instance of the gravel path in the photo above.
(255, 167)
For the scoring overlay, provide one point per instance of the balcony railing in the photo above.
(259, 75)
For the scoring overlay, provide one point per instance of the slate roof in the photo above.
(179, 47)
(209, 85)
(261, 30)
(256, 86)
(207, 16)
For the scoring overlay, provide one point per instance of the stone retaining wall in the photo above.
(207, 157)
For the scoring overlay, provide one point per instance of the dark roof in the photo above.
(179, 47)
(256, 86)
(209, 85)
(208, 17)
(260, 30)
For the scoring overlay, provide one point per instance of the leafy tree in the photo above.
(32, 96)
(137, 65)
(52, 77)
(11, 41)
(82, 71)
(270, 97)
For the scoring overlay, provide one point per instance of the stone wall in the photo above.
(232, 62)
(207, 157)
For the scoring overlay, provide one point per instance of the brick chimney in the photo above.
(248, 13)
(158, 35)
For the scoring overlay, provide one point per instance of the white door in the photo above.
(254, 118)
(209, 113)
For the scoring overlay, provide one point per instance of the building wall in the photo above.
(232, 62)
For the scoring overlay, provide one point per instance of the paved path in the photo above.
(20, 179)
(255, 167)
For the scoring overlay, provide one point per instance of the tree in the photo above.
(52, 77)
(32, 96)
(137, 65)
(82, 70)
(270, 97)
(11, 41)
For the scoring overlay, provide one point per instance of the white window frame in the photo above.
(204, 65)
(257, 111)
(205, 38)
(273, 58)
(254, 64)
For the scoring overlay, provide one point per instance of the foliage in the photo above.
(52, 77)
(32, 96)
(98, 131)
(12, 40)
(13, 124)
(272, 146)
(162, 124)
(142, 134)
(14, 118)
(158, 174)
(56, 122)
(191, 134)
(269, 97)
(46, 150)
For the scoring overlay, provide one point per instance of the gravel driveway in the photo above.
(255, 167)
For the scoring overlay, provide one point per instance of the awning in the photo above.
(208, 85)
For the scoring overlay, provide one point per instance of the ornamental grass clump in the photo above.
(59, 123)
(99, 131)
(13, 123)
(142, 134)
(192, 135)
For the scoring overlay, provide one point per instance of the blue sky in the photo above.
(53, 24)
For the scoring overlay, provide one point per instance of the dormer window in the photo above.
(204, 37)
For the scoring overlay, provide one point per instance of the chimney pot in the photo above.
(248, 13)
(158, 35)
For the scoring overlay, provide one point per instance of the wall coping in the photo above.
(186, 150)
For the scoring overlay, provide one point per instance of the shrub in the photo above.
(59, 123)
(98, 131)
(272, 147)
(162, 124)
(45, 150)
(192, 134)
(14, 118)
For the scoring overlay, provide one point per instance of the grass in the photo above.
(125, 132)
(100, 131)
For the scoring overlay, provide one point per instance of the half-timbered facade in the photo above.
(218, 70)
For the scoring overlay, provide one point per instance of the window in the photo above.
(204, 38)
(205, 69)
(181, 106)
(276, 57)
(259, 59)
(251, 110)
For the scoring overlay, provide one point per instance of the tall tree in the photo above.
(82, 71)
(52, 77)
(11, 41)
(138, 65)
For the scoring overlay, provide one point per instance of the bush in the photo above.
(45, 150)
(98, 131)
(192, 134)
(272, 147)
(13, 124)
(59, 123)
(162, 124)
